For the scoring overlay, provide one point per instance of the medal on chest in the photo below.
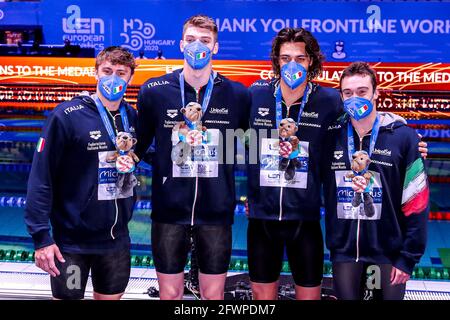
(288, 143)
(190, 132)
(288, 147)
(124, 156)
(362, 178)
(124, 142)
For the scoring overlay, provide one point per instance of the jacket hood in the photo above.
(391, 121)
(86, 99)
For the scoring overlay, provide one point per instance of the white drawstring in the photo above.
(357, 238)
(117, 215)
(281, 204)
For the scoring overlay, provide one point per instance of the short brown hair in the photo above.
(201, 21)
(298, 35)
(359, 68)
(116, 55)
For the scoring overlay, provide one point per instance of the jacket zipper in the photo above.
(115, 220)
(357, 239)
(197, 98)
(195, 200)
(115, 199)
(280, 217)
(359, 220)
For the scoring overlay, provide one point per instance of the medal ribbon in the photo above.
(206, 98)
(123, 115)
(373, 139)
(279, 101)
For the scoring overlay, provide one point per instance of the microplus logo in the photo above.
(107, 175)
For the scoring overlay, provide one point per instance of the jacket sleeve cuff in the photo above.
(42, 239)
(405, 264)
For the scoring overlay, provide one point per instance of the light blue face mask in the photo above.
(197, 55)
(112, 87)
(358, 108)
(293, 74)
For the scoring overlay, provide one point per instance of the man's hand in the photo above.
(398, 276)
(45, 259)
(423, 148)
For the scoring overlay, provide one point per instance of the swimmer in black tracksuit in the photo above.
(192, 188)
(388, 239)
(284, 206)
(74, 185)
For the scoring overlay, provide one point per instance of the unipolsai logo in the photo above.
(218, 110)
(136, 33)
(87, 32)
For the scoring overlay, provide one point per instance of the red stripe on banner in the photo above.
(439, 215)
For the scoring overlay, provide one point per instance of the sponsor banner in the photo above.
(346, 31)
(400, 31)
(391, 76)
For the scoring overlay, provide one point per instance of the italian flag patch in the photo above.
(363, 109)
(40, 145)
(201, 55)
(117, 89)
(415, 189)
(297, 75)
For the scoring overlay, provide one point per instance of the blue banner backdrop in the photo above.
(370, 31)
